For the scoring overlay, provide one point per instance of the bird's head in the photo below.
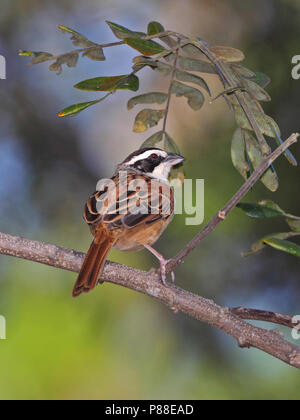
(153, 162)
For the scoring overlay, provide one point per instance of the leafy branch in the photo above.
(180, 58)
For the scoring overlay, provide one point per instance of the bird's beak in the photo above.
(174, 159)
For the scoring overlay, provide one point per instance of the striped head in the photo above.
(153, 162)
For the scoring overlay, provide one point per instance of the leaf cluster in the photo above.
(185, 62)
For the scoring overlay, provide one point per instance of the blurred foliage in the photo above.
(115, 343)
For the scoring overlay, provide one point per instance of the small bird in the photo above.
(132, 215)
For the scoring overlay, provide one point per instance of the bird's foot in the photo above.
(163, 265)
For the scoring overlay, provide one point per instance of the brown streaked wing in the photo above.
(156, 203)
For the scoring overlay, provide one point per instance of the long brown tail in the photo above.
(92, 267)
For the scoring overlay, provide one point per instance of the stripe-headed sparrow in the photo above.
(129, 212)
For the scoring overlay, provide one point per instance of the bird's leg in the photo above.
(163, 264)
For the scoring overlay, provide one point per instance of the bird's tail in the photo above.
(92, 266)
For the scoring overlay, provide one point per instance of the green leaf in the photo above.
(154, 140)
(267, 209)
(110, 83)
(263, 209)
(228, 54)
(95, 53)
(283, 245)
(155, 28)
(147, 48)
(238, 154)
(38, 56)
(265, 123)
(269, 179)
(147, 118)
(78, 39)
(192, 78)
(147, 98)
(130, 82)
(260, 245)
(194, 96)
(192, 50)
(257, 92)
(75, 109)
(193, 64)
(294, 224)
(122, 33)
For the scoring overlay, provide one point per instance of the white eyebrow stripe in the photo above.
(145, 155)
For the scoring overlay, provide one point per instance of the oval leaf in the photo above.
(110, 83)
(122, 33)
(256, 91)
(264, 209)
(147, 98)
(259, 245)
(147, 118)
(269, 179)
(75, 109)
(147, 48)
(265, 123)
(155, 28)
(194, 96)
(184, 76)
(283, 245)
(193, 64)
(243, 71)
(238, 154)
(228, 54)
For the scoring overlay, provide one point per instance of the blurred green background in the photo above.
(115, 343)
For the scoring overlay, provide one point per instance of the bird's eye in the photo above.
(154, 156)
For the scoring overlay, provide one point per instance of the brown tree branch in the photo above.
(175, 298)
(223, 213)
